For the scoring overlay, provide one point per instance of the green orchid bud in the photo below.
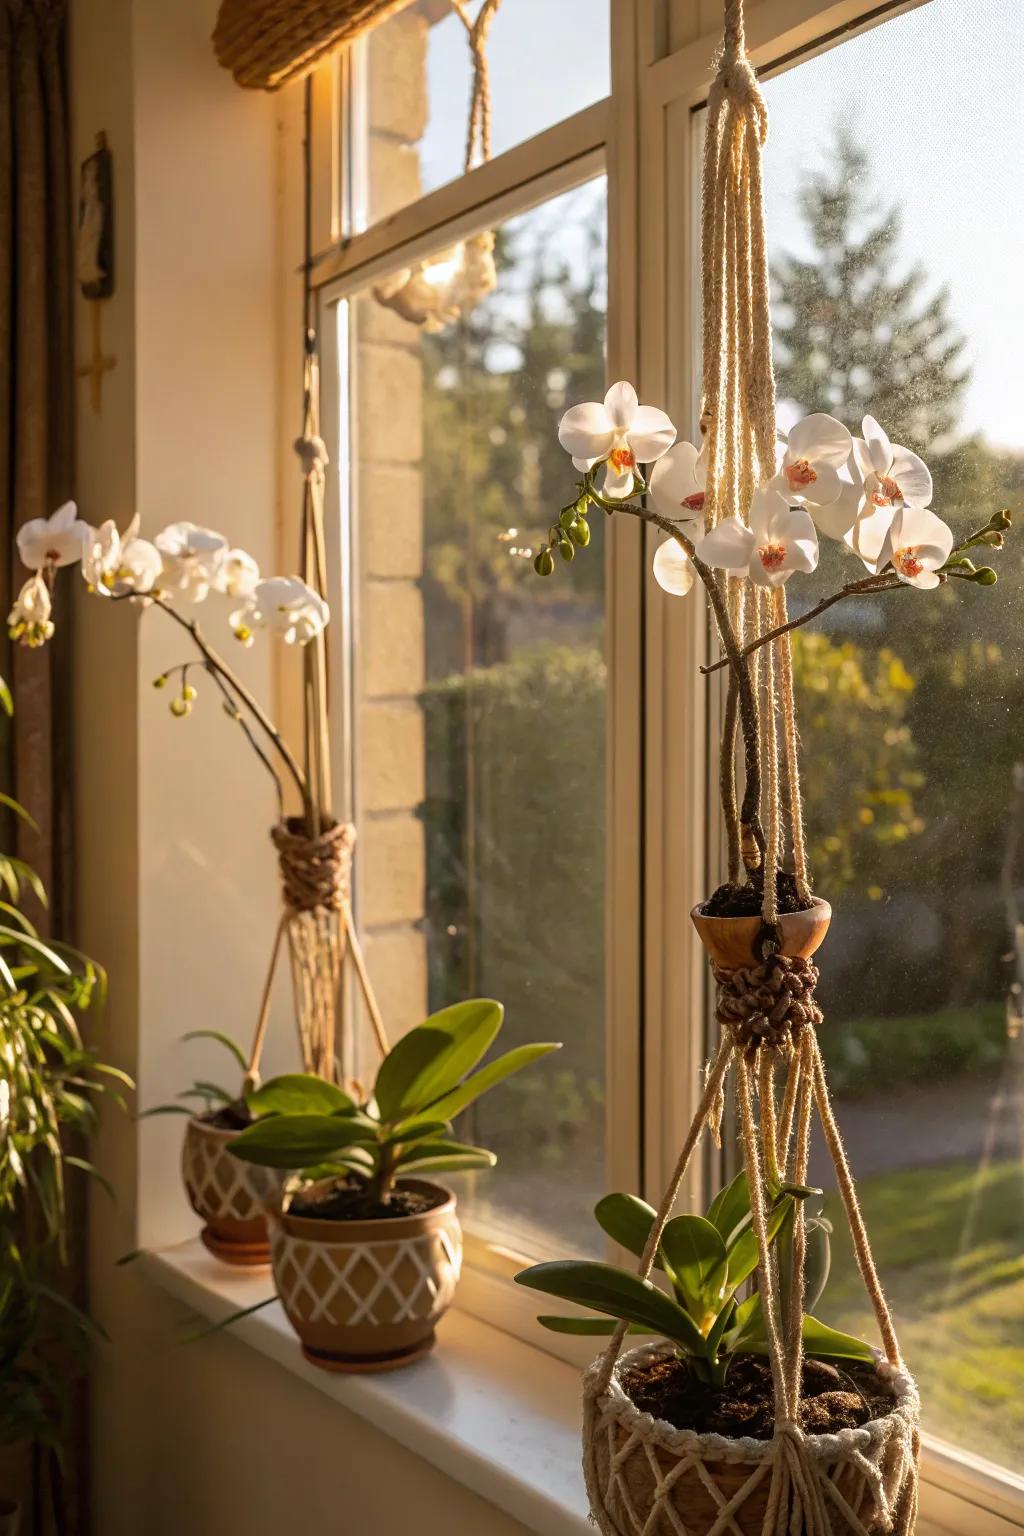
(984, 576)
(567, 516)
(580, 533)
(567, 549)
(999, 522)
(180, 708)
(189, 693)
(161, 681)
(544, 564)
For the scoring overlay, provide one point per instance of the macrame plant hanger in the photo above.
(435, 292)
(315, 851)
(798, 1484)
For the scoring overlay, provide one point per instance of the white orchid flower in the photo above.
(29, 619)
(55, 540)
(192, 558)
(621, 432)
(237, 575)
(916, 545)
(673, 570)
(677, 485)
(810, 461)
(287, 607)
(893, 476)
(780, 540)
(115, 564)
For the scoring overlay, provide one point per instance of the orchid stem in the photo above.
(869, 585)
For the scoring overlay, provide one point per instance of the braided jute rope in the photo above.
(316, 872)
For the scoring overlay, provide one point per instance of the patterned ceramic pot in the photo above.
(366, 1295)
(227, 1194)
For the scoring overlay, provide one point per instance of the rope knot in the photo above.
(767, 1004)
(316, 872)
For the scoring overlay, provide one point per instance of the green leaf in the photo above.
(298, 1093)
(207, 1330)
(429, 1151)
(618, 1294)
(696, 1252)
(432, 1059)
(292, 1141)
(19, 810)
(92, 1171)
(585, 1325)
(743, 1253)
(164, 1109)
(6, 701)
(627, 1220)
(411, 1132)
(817, 1260)
(747, 1332)
(221, 1039)
(820, 1339)
(460, 1162)
(453, 1103)
(717, 1331)
(730, 1207)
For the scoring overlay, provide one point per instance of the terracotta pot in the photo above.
(730, 941)
(366, 1295)
(634, 1462)
(10, 1517)
(230, 1196)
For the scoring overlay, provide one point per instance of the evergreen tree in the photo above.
(853, 335)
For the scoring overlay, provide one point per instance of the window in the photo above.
(525, 755)
(480, 696)
(887, 300)
(415, 81)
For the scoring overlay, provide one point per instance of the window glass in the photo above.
(895, 238)
(546, 62)
(480, 700)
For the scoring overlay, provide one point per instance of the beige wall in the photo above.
(176, 881)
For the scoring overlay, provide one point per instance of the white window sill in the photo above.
(494, 1414)
(503, 1418)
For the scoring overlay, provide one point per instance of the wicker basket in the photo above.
(708, 1485)
(266, 43)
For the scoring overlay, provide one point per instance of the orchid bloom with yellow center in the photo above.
(917, 545)
(809, 465)
(620, 433)
(779, 540)
(893, 476)
(52, 541)
(677, 486)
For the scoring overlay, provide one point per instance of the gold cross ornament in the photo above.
(98, 364)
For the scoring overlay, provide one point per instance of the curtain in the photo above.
(36, 473)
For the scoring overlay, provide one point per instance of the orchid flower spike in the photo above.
(780, 540)
(52, 541)
(621, 433)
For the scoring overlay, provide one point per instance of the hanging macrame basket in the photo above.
(266, 43)
(644, 1477)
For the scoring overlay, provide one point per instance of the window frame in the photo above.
(662, 720)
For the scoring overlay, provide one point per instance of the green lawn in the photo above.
(949, 1245)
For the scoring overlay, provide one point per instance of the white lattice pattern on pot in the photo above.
(218, 1184)
(349, 1282)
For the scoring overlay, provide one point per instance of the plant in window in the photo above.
(366, 1250)
(695, 1433)
(50, 1082)
(182, 568)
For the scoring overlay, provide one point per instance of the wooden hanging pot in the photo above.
(644, 1475)
(366, 1296)
(732, 942)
